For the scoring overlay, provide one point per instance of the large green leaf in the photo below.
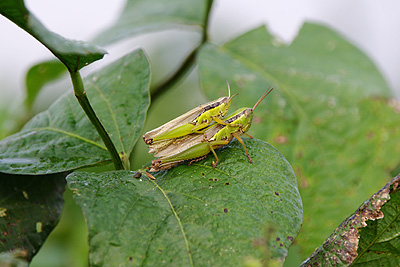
(340, 140)
(140, 16)
(74, 54)
(368, 237)
(193, 215)
(30, 207)
(62, 138)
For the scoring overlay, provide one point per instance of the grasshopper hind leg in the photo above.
(197, 159)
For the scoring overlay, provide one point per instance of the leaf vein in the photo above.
(179, 222)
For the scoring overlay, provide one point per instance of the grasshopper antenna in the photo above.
(229, 90)
(263, 96)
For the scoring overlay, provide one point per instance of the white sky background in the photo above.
(369, 24)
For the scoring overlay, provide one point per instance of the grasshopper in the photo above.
(193, 121)
(196, 146)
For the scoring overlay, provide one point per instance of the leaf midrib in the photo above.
(179, 222)
(70, 134)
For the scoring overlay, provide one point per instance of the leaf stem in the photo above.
(188, 64)
(80, 94)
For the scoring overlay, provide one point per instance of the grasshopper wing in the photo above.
(185, 123)
(184, 143)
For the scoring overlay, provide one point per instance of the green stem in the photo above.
(188, 64)
(185, 67)
(80, 94)
(206, 21)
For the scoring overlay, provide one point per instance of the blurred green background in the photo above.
(67, 245)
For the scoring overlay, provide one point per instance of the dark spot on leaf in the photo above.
(210, 179)
(227, 183)
(225, 210)
(216, 179)
(280, 199)
(130, 259)
(272, 211)
(276, 193)
(278, 239)
(290, 238)
(281, 244)
(203, 174)
(160, 250)
(137, 175)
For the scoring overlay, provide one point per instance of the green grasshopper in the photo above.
(193, 121)
(195, 147)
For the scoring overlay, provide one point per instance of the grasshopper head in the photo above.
(226, 103)
(247, 119)
(248, 112)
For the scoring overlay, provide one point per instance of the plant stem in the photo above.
(80, 94)
(188, 64)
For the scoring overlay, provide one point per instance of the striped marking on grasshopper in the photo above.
(197, 146)
(193, 121)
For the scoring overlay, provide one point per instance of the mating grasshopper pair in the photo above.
(193, 135)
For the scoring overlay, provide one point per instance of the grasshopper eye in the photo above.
(248, 112)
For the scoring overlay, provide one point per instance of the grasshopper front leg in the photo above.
(216, 144)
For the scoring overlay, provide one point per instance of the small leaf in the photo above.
(38, 76)
(74, 54)
(328, 114)
(30, 209)
(153, 15)
(368, 237)
(193, 215)
(62, 138)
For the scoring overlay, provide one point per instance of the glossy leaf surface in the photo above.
(196, 215)
(62, 138)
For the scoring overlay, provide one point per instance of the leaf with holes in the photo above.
(193, 215)
(368, 237)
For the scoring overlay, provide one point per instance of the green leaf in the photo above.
(62, 138)
(193, 215)
(368, 237)
(74, 54)
(141, 16)
(38, 76)
(30, 208)
(323, 115)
